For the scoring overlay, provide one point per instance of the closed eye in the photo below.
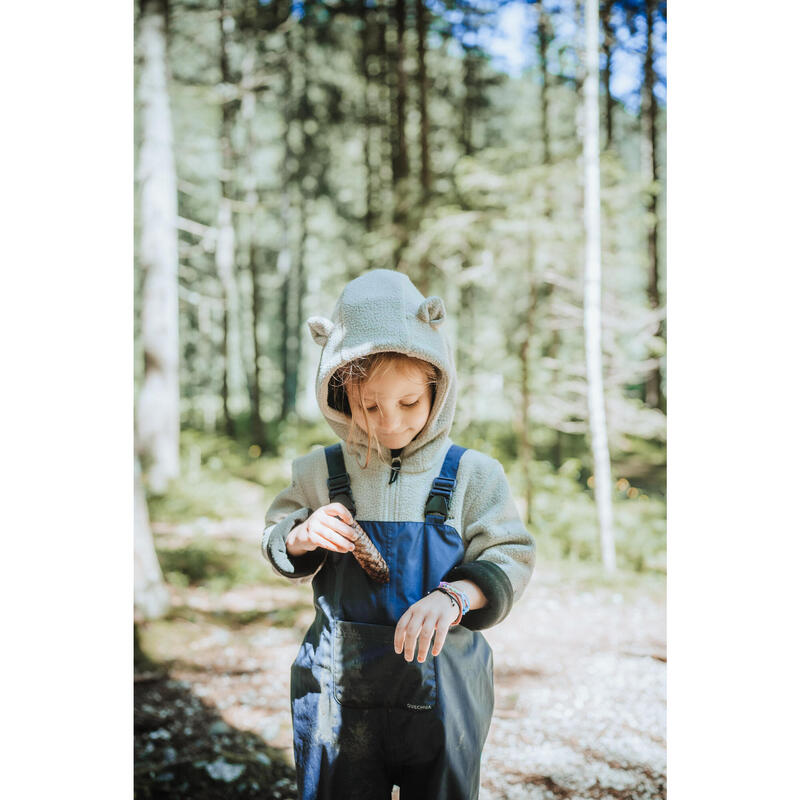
(403, 405)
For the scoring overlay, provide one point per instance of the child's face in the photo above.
(398, 404)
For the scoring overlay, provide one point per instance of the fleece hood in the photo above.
(381, 311)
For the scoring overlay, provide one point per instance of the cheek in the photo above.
(421, 416)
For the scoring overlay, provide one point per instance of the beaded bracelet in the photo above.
(453, 602)
(458, 596)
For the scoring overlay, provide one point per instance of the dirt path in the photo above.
(580, 694)
(580, 678)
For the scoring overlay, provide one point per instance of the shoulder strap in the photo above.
(338, 480)
(438, 505)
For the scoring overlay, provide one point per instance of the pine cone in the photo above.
(368, 556)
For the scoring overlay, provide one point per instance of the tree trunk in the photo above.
(526, 448)
(467, 108)
(285, 255)
(158, 417)
(386, 149)
(400, 161)
(369, 213)
(422, 80)
(225, 254)
(653, 394)
(150, 596)
(592, 293)
(257, 434)
(608, 41)
(544, 37)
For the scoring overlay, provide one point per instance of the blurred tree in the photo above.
(150, 596)
(257, 432)
(158, 412)
(544, 38)
(368, 31)
(653, 394)
(608, 44)
(592, 291)
(225, 252)
(421, 18)
(398, 95)
(290, 164)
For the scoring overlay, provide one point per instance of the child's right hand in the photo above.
(323, 528)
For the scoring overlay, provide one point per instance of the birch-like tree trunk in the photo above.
(592, 294)
(526, 453)
(158, 410)
(225, 253)
(150, 596)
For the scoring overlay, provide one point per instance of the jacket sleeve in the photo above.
(288, 509)
(500, 552)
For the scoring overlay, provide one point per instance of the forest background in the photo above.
(282, 150)
(312, 141)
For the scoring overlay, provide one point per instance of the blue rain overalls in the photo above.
(364, 718)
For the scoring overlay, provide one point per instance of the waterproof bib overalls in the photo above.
(364, 718)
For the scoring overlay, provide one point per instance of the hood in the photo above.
(378, 311)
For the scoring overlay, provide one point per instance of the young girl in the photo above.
(367, 715)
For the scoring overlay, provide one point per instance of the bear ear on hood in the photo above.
(431, 310)
(320, 328)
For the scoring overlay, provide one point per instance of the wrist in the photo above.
(452, 604)
(477, 599)
(457, 597)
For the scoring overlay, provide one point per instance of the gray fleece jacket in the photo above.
(382, 310)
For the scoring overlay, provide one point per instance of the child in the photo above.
(366, 715)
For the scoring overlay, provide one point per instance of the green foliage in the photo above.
(222, 477)
(564, 518)
(218, 564)
(493, 437)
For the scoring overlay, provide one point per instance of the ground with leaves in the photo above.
(580, 680)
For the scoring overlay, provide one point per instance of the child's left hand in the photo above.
(433, 613)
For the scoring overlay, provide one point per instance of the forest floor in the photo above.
(580, 684)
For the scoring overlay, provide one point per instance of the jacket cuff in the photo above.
(494, 583)
(275, 548)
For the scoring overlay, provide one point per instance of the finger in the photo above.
(342, 544)
(441, 634)
(334, 536)
(411, 640)
(342, 512)
(341, 528)
(322, 541)
(400, 633)
(425, 635)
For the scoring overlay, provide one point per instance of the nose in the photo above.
(391, 426)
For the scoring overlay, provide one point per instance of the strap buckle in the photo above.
(339, 484)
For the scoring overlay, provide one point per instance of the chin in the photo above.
(398, 441)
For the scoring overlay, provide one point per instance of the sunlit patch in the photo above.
(254, 451)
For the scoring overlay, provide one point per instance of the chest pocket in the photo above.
(367, 673)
